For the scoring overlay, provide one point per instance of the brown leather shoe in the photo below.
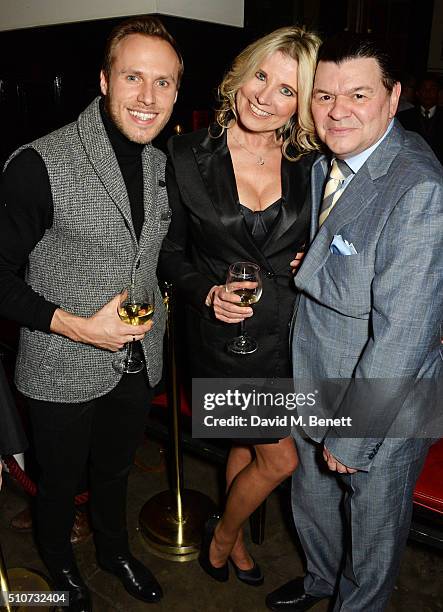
(81, 529)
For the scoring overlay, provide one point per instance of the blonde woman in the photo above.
(238, 193)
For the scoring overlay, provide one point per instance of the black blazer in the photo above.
(412, 119)
(208, 233)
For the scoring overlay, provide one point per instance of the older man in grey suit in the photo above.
(370, 308)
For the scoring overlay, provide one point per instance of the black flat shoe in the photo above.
(292, 597)
(218, 573)
(69, 579)
(253, 576)
(134, 576)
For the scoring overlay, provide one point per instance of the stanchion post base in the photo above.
(25, 580)
(164, 534)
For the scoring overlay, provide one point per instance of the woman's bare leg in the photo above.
(239, 457)
(272, 464)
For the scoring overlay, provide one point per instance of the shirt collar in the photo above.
(123, 147)
(356, 161)
(431, 111)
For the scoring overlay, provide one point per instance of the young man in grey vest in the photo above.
(85, 209)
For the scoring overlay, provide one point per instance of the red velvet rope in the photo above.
(30, 487)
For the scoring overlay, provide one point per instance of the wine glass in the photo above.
(135, 308)
(239, 273)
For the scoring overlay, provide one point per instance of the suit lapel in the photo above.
(102, 157)
(215, 167)
(295, 192)
(359, 194)
(318, 177)
(150, 187)
(347, 209)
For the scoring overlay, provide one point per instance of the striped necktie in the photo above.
(333, 188)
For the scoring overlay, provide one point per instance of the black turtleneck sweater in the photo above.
(129, 157)
(26, 212)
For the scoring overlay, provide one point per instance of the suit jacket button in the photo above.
(270, 274)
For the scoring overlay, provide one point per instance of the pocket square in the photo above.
(339, 246)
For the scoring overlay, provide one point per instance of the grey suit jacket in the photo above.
(376, 314)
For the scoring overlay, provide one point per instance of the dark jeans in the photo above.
(102, 434)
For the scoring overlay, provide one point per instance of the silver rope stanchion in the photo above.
(171, 522)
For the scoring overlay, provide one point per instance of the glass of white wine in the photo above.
(136, 308)
(243, 273)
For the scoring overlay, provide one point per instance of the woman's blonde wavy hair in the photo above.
(299, 44)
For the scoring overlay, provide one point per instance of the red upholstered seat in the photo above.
(161, 400)
(429, 489)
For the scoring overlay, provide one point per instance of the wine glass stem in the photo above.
(129, 352)
(242, 328)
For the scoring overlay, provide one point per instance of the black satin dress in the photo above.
(209, 231)
(260, 222)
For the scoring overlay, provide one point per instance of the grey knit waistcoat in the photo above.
(88, 256)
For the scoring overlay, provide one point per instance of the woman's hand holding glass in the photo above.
(244, 280)
(226, 304)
